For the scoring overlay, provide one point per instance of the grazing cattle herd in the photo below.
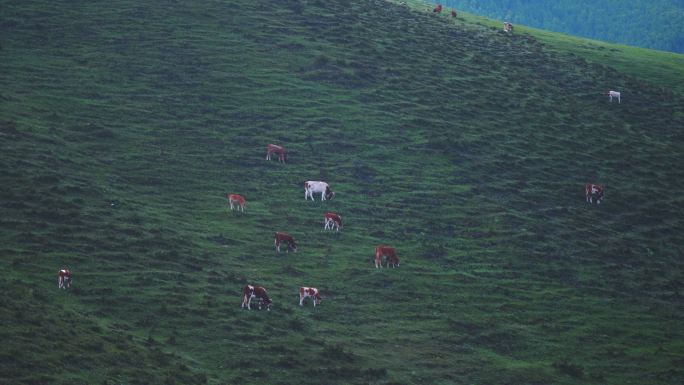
(332, 221)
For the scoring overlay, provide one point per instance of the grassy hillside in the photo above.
(662, 69)
(656, 24)
(123, 126)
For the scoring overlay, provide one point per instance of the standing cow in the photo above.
(249, 292)
(238, 201)
(613, 94)
(438, 9)
(508, 27)
(278, 150)
(305, 292)
(287, 239)
(64, 279)
(311, 187)
(332, 221)
(594, 192)
(389, 253)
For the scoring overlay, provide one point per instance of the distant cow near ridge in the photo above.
(278, 150)
(389, 253)
(438, 8)
(64, 279)
(453, 13)
(508, 27)
(305, 292)
(332, 221)
(238, 201)
(594, 192)
(287, 239)
(613, 94)
(311, 187)
(249, 292)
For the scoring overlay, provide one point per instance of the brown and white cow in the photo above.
(249, 292)
(238, 201)
(332, 221)
(311, 187)
(64, 279)
(278, 150)
(281, 238)
(594, 192)
(389, 253)
(508, 27)
(312, 292)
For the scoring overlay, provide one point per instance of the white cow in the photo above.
(312, 187)
(614, 94)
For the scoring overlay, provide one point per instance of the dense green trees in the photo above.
(655, 24)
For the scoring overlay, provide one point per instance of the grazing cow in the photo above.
(613, 94)
(249, 292)
(237, 200)
(389, 253)
(287, 239)
(312, 292)
(453, 13)
(311, 187)
(278, 150)
(438, 8)
(332, 220)
(594, 192)
(508, 27)
(64, 279)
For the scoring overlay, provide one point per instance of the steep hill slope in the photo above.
(124, 125)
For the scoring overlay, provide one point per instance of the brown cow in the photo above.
(278, 150)
(237, 200)
(287, 239)
(389, 253)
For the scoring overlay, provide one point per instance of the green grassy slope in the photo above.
(124, 125)
(660, 68)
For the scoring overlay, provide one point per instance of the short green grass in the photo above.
(123, 126)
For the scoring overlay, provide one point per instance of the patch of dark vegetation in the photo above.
(337, 353)
(569, 368)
